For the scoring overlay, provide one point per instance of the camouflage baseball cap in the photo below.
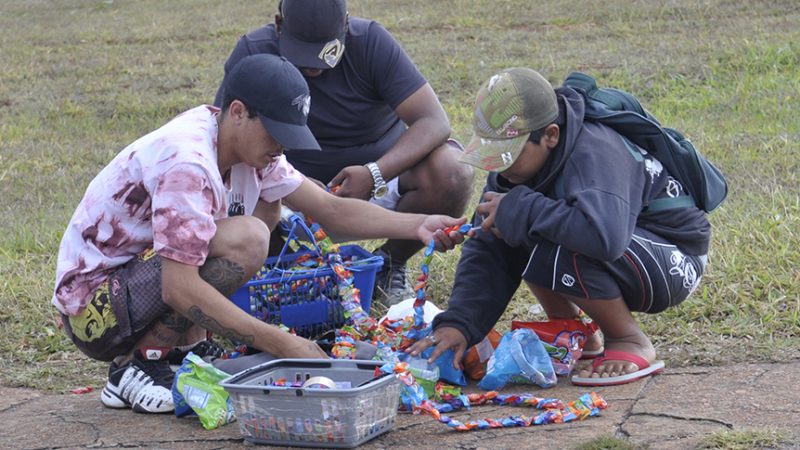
(509, 106)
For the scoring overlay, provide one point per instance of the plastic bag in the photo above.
(196, 389)
(563, 339)
(520, 358)
(446, 370)
(406, 308)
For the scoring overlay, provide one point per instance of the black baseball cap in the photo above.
(278, 93)
(313, 32)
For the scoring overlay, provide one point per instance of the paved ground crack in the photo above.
(757, 379)
(685, 418)
(620, 427)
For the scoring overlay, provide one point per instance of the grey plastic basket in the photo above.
(361, 408)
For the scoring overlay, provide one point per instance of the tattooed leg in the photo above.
(170, 330)
(225, 275)
(197, 316)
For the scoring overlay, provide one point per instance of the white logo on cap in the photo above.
(303, 103)
(507, 158)
(507, 124)
(492, 81)
(332, 52)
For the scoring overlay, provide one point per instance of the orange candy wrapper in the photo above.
(477, 356)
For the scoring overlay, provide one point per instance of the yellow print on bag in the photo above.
(96, 318)
(147, 254)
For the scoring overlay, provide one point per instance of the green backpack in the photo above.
(623, 113)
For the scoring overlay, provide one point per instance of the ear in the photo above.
(278, 22)
(237, 111)
(552, 133)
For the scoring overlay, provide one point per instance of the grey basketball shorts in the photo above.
(121, 309)
(651, 275)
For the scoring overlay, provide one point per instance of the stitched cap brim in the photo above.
(290, 136)
(494, 155)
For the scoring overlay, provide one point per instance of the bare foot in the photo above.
(593, 343)
(613, 368)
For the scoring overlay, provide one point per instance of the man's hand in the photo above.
(433, 228)
(354, 182)
(443, 338)
(297, 347)
(488, 209)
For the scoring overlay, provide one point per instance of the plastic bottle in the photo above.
(426, 374)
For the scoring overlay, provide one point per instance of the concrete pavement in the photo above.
(669, 411)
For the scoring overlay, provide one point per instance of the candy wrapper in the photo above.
(520, 358)
(477, 356)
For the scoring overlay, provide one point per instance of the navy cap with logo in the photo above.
(312, 32)
(278, 93)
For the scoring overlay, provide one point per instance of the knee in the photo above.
(248, 243)
(447, 177)
(455, 175)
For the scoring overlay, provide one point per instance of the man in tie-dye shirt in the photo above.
(150, 255)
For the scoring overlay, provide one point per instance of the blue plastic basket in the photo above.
(307, 301)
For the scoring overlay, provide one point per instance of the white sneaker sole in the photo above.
(111, 400)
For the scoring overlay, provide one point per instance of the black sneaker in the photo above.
(144, 384)
(207, 350)
(391, 283)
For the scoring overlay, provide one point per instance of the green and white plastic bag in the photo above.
(196, 389)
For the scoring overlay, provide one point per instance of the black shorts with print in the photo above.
(121, 309)
(651, 275)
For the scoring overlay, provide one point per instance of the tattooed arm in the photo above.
(195, 294)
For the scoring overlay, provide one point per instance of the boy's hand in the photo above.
(488, 209)
(297, 347)
(443, 338)
(432, 228)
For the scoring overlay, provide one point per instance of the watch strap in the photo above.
(377, 178)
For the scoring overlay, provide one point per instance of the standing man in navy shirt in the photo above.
(383, 133)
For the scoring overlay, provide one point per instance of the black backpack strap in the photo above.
(578, 80)
(612, 99)
(665, 203)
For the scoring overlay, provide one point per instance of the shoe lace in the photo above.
(397, 277)
(208, 348)
(159, 371)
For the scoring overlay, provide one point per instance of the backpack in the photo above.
(623, 113)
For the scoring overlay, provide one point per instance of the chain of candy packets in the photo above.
(393, 336)
(451, 399)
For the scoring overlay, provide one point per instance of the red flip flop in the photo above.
(645, 369)
(592, 354)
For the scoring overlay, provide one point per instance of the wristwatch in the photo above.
(379, 188)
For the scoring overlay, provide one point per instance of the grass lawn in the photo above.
(80, 79)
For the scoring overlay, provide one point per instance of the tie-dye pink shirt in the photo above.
(163, 191)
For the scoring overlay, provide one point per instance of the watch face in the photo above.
(380, 191)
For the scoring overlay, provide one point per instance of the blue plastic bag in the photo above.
(519, 358)
(446, 370)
